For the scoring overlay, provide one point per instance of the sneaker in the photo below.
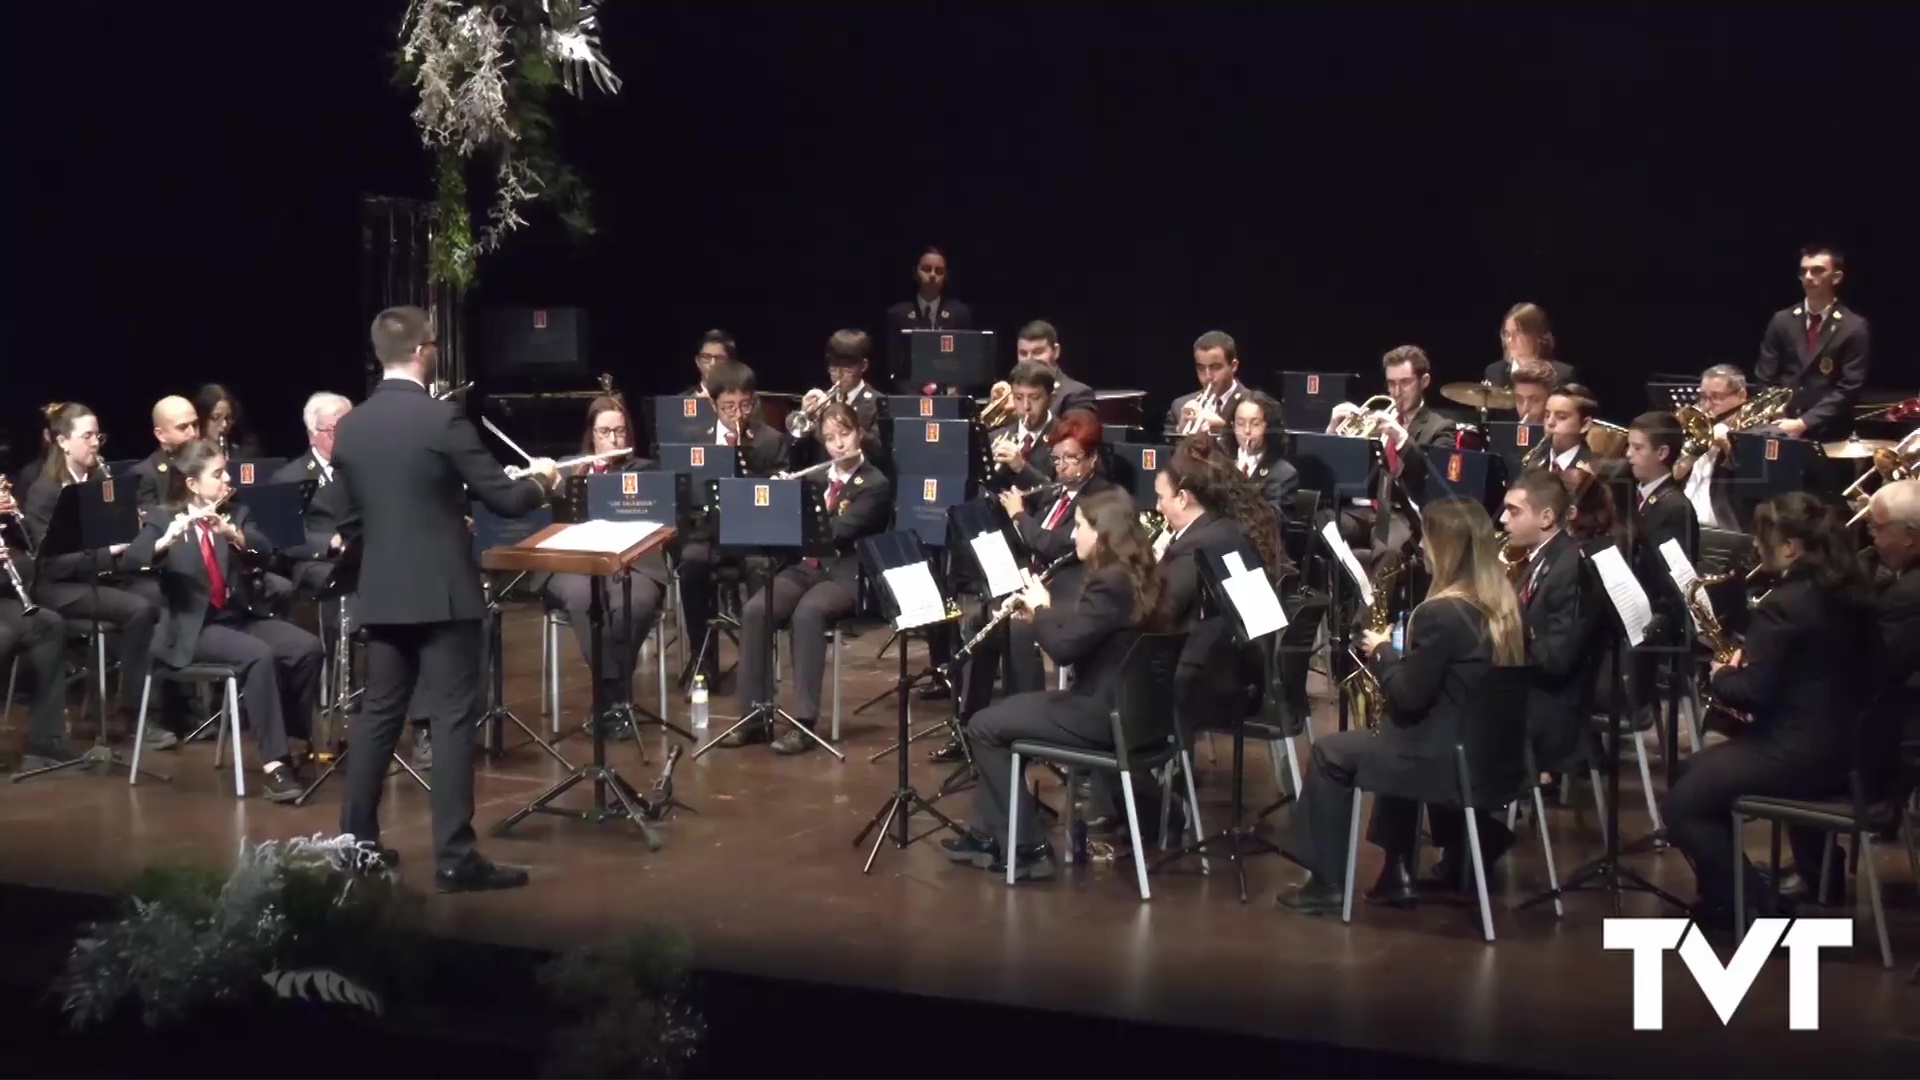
(282, 785)
(159, 738)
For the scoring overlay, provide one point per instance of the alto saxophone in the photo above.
(1363, 695)
(1705, 622)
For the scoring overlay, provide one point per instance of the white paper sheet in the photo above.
(1345, 554)
(1629, 599)
(996, 560)
(917, 596)
(600, 537)
(1254, 601)
(1681, 569)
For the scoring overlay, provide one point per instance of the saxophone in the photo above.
(1705, 622)
(1362, 689)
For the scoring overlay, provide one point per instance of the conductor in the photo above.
(401, 460)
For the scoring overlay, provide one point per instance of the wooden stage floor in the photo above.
(766, 881)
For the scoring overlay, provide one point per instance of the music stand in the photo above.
(962, 358)
(91, 517)
(1340, 466)
(279, 510)
(763, 518)
(702, 463)
(910, 596)
(1307, 397)
(598, 550)
(680, 420)
(254, 472)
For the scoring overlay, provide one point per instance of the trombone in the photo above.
(803, 421)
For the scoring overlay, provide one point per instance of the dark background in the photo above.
(1322, 183)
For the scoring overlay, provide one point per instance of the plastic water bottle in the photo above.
(1400, 633)
(699, 703)
(1077, 842)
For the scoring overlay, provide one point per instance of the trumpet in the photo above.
(998, 409)
(1190, 422)
(1005, 612)
(802, 422)
(1366, 421)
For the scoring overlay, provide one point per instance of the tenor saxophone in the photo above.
(1362, 689)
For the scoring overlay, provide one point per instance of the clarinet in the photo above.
(27, 606)
(1005, 613)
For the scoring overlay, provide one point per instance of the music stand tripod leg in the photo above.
(901, 805)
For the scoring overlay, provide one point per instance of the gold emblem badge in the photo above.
(690, 407)
(106, 491)
(1826, 366)
(926, 406)
(246, 473)
(629, 484)
(929, 490)
(933, 433)
(1453, 468)
(946, 343)
(1773, 449)
(697, 457)
(762, 495)
(1313, 386)
(1522, 435)
(162, 466)
(1149, 459)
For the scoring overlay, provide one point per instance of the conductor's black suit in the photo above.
(401, 461)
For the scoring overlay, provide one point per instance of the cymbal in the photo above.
(1477, 395)
(1856, 447)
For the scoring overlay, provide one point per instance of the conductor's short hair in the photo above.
(399, 332)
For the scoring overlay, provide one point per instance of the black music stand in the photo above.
(254, 472)
(962, 358)
(902, 553)
(1339, 632)
(701, 464)
(763, 519)
(680, 420)
(91, 517)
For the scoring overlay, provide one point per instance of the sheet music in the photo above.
(605, 537)
(1345, 554)
(916, 595)
(1681, 568)
(996, 561)
(1629, 599)
(1253, 598)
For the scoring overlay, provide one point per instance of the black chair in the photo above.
(1143, 738)
(1494, 766)
(197, 675)
(1875, 739)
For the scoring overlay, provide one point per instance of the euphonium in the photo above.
(1367, 422)
(1362, 690)
(1766, 407)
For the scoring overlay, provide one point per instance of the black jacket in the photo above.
(1039, 468)
(323, 510)
(904, 316)
(1070, 393)
(1562, 614)
(1664, 515)
(763, 451)
(1500, 373)
(1050, 544)
(405, 464)
(1225, 408)
(184, 583)
(1542, 454)
(1426, 688)
(1090, 629)
(1209, 672)
(1808, 664)
(152, 480)
(79, 566)
(1825, 381)
(862, 510)
(1897, 610)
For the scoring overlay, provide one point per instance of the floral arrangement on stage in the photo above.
(484, 72)
(629, 1004)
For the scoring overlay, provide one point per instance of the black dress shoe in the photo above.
(974, 849)
(479, 875)
(1395, 886)
(746, 735)
(950, 752)
(282, 785)
(1453, 874)
(1312, 897)
(1031, 862)
(794, 741)
(934, 692)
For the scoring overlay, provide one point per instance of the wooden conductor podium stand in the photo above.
(529, 556)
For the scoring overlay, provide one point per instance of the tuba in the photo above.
(1361, 688)
(1367, 422)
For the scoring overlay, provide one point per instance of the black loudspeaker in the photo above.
(522, 342)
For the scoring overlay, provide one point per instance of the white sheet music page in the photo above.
(996, 560)
(600, 537)
(917, 596)
(1681, 569)
(1253, 598)
(1345, 554)
(1629, 599)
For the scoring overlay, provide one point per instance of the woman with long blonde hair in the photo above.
(1468, 624)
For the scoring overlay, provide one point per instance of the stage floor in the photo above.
(766, 880)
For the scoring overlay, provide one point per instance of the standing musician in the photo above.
(1257, 458)
(321, 415)
(1526, 337)
(1803, 673)
(716, 347)
(1661, 513)
(1707, 478)
(1020, 450)
(406, 464)
(1533, 382)
(223, 423)
(37, 636)
(816, 592)
(72, 584)
(1570, 413)
(1038, 342)
(930, 309)
(1817, 348)
(208, 616)
(1208, 410)
(1468, 623)
(847, 353)
(175, 424)
(1091, 627)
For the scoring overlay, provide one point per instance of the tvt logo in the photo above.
(1726, 986)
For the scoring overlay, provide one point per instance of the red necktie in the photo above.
(599, 467)
(1813, 331)
(732, 439)
(833, 493)
(1393, 456)
(1026, 445)
(1248, 469)
(1059, 511)
(216, 581)
(1526, 595)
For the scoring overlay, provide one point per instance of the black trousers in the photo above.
(40, 641)
(1010, 651)
(809, 600)
(697, 601)
(621, 636)
(132, 605)
(1056, 716)
(443, 661)
(279, 668)
(1699, 813)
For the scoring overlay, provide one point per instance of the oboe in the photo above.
(1005, 612)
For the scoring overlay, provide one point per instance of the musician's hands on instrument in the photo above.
(1340, 412)
(1013, 500)
(1794, 428)
(1007, 452)
(1371, 640)
(545, 470)
(1738, 659)
(812, 399)
(1211, 419)
(335, 542)
(1035, 596)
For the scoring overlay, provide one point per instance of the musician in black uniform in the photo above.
(210, 616)
(313, 564)
(1468, 623)
(847, 355)
(1707, 478)
(1022, 456)
(1571, 411)
(1209, 410)
(1258, 457)
(1532, 383)
(716, 347)
(406, 464)
(930, 309)
(818, 591)
(1090, 627)
(1817, 348)
(1525, 337)
(72, 584)
(38, 638)
(1039, 342)
(1894, 519)
(175, 424)
(1410, 427)
(1803, 673)
(224, 423)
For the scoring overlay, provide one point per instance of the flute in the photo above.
(811, 469)
(1005, 612)
(517, 472)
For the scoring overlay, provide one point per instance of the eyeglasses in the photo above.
(710, 358)
(732, 408)
(1069, 459)
(610, 432)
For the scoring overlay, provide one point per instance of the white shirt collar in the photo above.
(1534, 555)
(1565, 460)
(1249, 457)
(720, 433)
(75, 477)
(1021, 430)
(1822, 312)
(835, 476)
(1647, 488)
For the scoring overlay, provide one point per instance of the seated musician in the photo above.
(1591, 519)
(1526, 337)
(609, 427)
(1468, 623)
(1803, 673)
(1819, 348)
(208, 614)
(1209, 410)
(1661, 513)
(1257, 458)
(763, 451)
(223, 423)
(818, 591)
(1090, 627)
(1021, 455)
(1039, 343)
(847, 355)
(175, 424)
(312, 566)
(101, 584)
(1562, 617)
(716, 347)
(1893, 516)
(1533, 383)
(1571, 411)
(1708, 477)
(1403, 431)
(38, 637)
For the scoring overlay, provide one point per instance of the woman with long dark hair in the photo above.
(1469, 623)
(1091, 629)
(223, 423)
(1803, 674)
(1526, 337)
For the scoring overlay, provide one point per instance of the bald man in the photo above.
(175, 424)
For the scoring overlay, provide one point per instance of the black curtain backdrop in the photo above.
(1323, 183)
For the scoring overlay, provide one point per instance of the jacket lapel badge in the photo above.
(946, 314)
(1826, 366)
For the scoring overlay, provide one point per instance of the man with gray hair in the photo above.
(1707, 479)
(1893, 518)
(322, 415)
